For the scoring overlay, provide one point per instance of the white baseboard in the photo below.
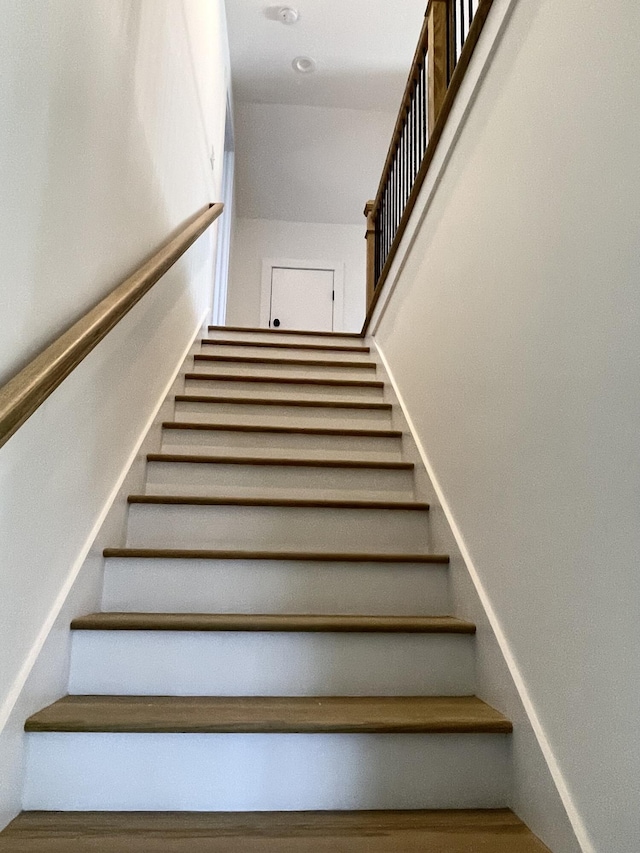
(31, 658)
(518, 679)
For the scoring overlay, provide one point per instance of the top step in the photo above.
(275, 336)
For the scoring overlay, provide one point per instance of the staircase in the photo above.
(275, 667)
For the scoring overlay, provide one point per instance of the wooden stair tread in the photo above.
(125, 621)
(255, 330)
(294, 430)
(315, 503)
(297, 362)
(284, 380)
(295, 556)
(266, 401)
(194, 458)
(253, 714)
(285, 345)
(461, 831)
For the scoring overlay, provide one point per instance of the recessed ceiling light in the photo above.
(304, 64)
(288, 15)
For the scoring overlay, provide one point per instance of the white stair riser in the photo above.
(281, 390)
(257, 415)
(205, 772)
(273, 337)
(176, 663)
(270, 586)
(283, 445)
(278, 528)
(284, 352)
(189, 478)
(289, 370)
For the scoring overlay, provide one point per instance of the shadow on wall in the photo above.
(104, 137)
(102, 103)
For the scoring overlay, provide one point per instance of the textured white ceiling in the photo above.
(363, 49)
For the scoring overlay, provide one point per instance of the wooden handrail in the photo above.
(28, 389)
(388, 221)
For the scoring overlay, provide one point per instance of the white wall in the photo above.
(304, 175)
(513, 336)
(257, 239)
(110, 111)
(309, 164)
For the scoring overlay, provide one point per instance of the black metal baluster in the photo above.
(384, 230)
(409, 147)
(390, 213)
(425, 89)
(401, 168)
(409, 151)
(382, 249)
(418, 114)
(381, 261)
(378, 238)
(392, 185)
(383, 224)
(389, 217)
(391, 198)
(422, 117)
(400, 181)
(414, 148)
(405, 178)
(406, 161)
(398, 187)
(416, 139)
(401, 165)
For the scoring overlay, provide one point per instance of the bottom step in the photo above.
(498, 831)
(256, 753)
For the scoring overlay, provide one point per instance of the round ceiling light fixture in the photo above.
(288, 15)
(304, 65)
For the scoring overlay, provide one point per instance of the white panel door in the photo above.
(302, 299)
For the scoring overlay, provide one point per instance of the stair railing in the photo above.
(28, 389)
(449, 35)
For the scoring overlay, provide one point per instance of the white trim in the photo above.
(223, 248)
(224, 233)
(573, 814)
(32, 656)
(337, 267)
(480, 62)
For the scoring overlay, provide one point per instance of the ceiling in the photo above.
(363, 50)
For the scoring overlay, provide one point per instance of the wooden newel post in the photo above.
(371, 250)
(438, 56)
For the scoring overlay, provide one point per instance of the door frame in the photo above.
(225, 227)
(336, 267)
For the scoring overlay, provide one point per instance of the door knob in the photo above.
(276, 322)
